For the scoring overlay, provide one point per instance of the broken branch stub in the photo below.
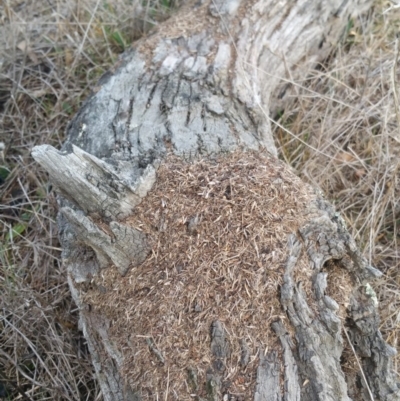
(96, 187)
(123, 245)
(109, 191)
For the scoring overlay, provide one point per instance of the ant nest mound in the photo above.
(218, 231)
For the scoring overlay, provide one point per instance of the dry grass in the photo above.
(344, 139)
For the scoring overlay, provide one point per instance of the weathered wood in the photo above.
(319, 341)
(205, 85)
(101, 191)
(110, 190)
(268, 385)
(292, 384)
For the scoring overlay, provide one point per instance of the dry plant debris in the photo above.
(218, 231)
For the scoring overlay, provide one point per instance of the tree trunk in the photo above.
(202, 266)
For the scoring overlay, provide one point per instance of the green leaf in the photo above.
(26, 216)
(119, 39)
(4, 173)
(41, 193)
(67, 108)
(17, 230)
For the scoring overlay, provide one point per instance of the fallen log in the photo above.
(202, 266)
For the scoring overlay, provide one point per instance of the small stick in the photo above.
(154, 350)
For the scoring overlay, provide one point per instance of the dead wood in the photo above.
(202, 266)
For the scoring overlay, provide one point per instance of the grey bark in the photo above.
(206, 84)
(268, 386)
